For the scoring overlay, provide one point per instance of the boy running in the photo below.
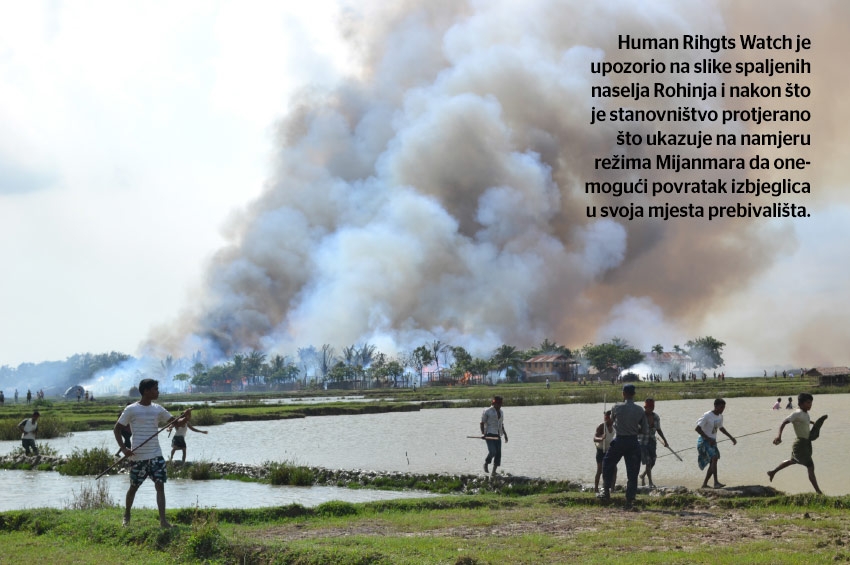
(801, 452)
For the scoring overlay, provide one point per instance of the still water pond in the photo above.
(553, 442)
(39, 489)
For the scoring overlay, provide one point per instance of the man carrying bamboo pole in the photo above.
(144, 418)
(707, 453)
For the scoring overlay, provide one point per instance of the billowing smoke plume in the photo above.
(439, 194)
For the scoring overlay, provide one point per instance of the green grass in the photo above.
(285, 473)
(561, 528)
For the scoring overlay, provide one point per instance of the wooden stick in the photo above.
(163, 428)
(676, 453)
(483, 437)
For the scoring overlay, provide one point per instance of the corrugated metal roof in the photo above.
(667, 356)
(550, 358)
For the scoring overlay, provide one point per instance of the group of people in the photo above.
(39, 396)
(778, 405)
(629, 432)
(136, 433)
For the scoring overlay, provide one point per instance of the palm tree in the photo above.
(658, 349)
(438, 347)
(349, 355)
(238, 363)
(167, 365)
(366, 354)
(253, 362)
(506, 356)
(277, 363)
(421, 357)
(326, 360)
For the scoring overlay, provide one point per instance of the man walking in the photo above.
(648, 450)
(493, 428)
(28, 427)
(629, 421)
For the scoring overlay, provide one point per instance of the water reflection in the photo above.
(552, 442)
(288, 400)
(38, 489)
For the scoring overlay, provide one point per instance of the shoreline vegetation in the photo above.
(472, 520)
(60, 416)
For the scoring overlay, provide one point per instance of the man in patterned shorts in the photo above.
(144, 418)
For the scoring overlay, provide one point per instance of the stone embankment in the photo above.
(460, 484)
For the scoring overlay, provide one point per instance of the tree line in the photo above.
(357, 362)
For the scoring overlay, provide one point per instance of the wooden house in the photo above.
(554, 366)
(830, 376)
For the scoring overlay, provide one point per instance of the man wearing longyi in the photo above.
(144, 418)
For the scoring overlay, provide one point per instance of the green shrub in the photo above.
(201, 471)
(205, 416)
(283, 473)
(42, 403)
(206, 541)
(9, 429)
(87, 462)
(336, 508)
(90, 496)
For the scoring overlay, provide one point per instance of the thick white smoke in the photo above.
(439, 194)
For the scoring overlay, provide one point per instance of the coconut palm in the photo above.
(506, 356)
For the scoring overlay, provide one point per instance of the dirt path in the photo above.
(689, 527)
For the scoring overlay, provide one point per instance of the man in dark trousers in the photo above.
(629, 421)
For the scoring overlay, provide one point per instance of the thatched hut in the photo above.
(830, 376)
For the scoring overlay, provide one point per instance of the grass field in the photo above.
(539, 529)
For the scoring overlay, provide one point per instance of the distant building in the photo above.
(74, 392)
(830, 376)
(556, 366)
(668, 362)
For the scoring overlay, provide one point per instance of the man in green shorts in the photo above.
(801, 452)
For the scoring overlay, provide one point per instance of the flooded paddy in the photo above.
(551, 442)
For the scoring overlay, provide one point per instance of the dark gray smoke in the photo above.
(439, 194)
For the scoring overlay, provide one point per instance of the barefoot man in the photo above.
(801, 452)
(648, 454)
(707, 451)
(144, 418)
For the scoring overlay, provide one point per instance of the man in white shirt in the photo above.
(493, 428)
(144, 419)
(28, 428)
(707, 452)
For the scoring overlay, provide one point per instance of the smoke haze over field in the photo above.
(439, 194)
(426, 182)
